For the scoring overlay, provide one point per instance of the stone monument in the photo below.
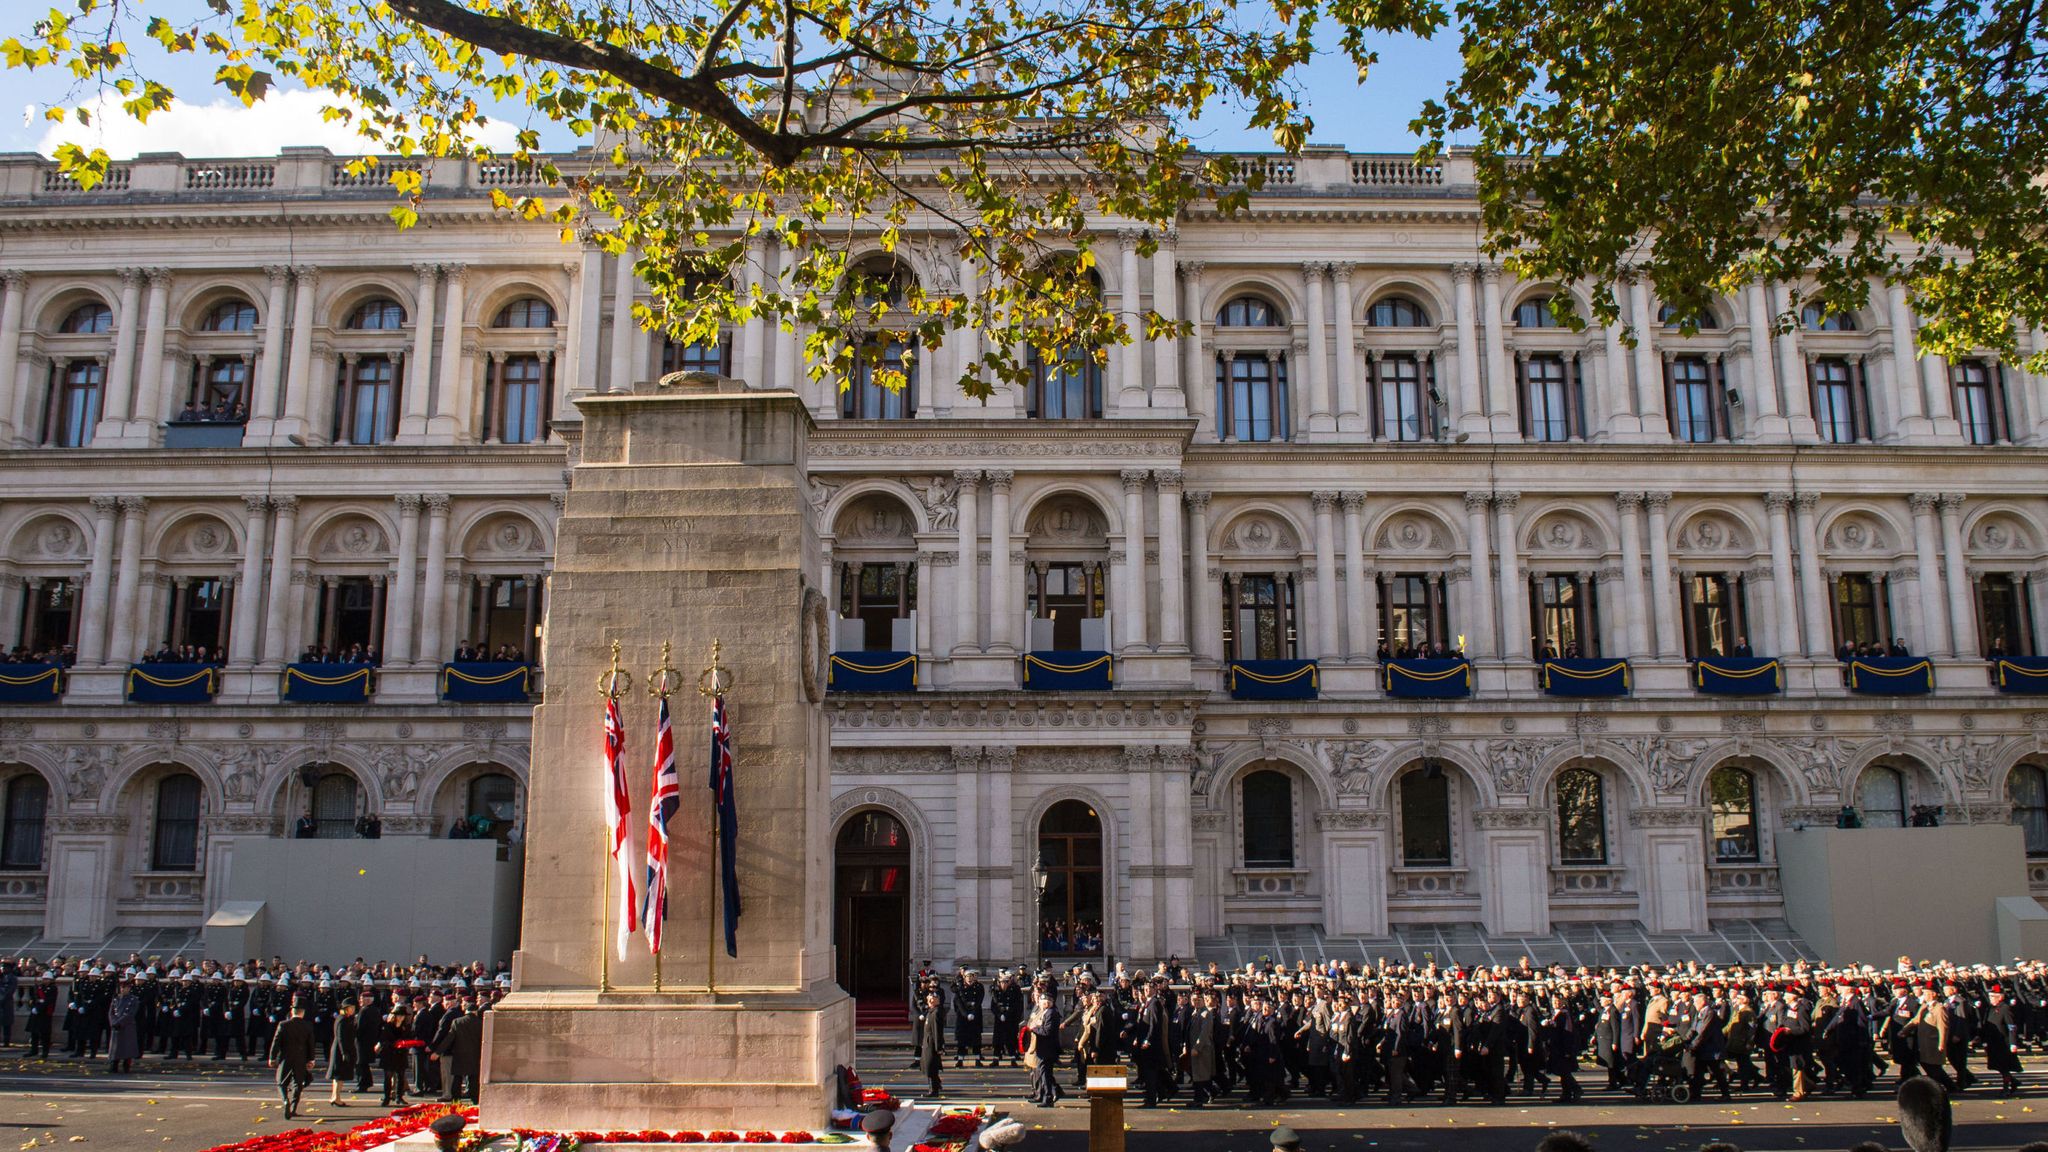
(686, 521)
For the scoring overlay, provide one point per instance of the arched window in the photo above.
(1535, 313)
(1669, 317)
(1268, 820)
(1426, 819)
(884, 385)
(526, 312)
(1731, 801)
(230, 316)
(1881, 797)
(1815, 318)
(495, 797)
(87, 319)
(1069, 880)
(1248, 312)
(334, 806)
(1396, 312)
(21, 837)
(381, 314)
(2027, 788)
(175, 845)
(1581, 817)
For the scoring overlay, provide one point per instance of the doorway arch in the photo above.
(1069, 881)
(871, 906)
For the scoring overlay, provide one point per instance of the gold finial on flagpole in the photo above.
(715, 678)
(616, 682)
(665, 678)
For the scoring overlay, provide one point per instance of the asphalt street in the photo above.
(189, 1106)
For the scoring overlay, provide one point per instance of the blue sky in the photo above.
(1371, 118)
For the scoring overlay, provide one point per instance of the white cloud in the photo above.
(285, 118)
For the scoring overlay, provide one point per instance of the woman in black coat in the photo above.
(341, 1052)
(124, 1042)
(1561, 1052)
(393, 1055)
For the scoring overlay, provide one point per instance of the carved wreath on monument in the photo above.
(816, 655)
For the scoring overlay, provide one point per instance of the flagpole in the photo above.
(712, 681)
(608, 687)
(659, 685)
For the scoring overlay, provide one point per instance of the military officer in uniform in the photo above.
(968, 994)
(1006, 1015)
(291, 1053)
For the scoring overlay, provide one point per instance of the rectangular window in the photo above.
(372, 400)
(1860, 616)
(1713, 615)
(220, 391)
(522, 392)
(1837, 405)
(1695, 401)
(878, 596)
(1252, 391)
(1547, 400)
(1979, 402)
(713, 359)
(48, 616)
(1412, 617)
(348, 608)
(76, 410)
(196, 614)
(1564, 625)
(2003, 626)
(1066, 594)
(1401, 398)
(870, 397)
(1069, 388)
(1259, 616)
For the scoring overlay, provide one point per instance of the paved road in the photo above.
(186, 1107)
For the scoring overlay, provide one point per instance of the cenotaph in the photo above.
(686, 521)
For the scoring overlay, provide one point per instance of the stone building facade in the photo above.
(1372, 437)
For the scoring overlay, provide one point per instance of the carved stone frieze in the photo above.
(1354, 763)
(1508, 819)
(1513, 762)
(1667, 818)
(1668, 762)
(1349, 820)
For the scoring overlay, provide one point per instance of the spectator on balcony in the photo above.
(369, 827)
(1741, 651)
(306, 828)
(1899, 647)
(464, 654)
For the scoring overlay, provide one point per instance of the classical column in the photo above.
(330, 611)
(968, 340)
(1792, 375)
(1933, 618)
(922, 615)
(1003, 611)
(1350, 412)
(968, 815)
(788, 367)
(1613, 632)
(1784, 595)
(1166, 381)
(398, 619)
(1207, 607)
(1500, 380)
(1358, 585)
(1328, 643)
(1173, 569)
(99, 583)
(1479, 634)
(276, 640)
(1129, 358)
(120, 390)
(1321, 417)
(620, 377)
(434, 595)
(149, 366)
(1649, 367)
(13, 286)
(1663, 597)
(1941, 401)
(413, 427)
(1140, 863)
(1617, 416)
(754, 334)
(248, 606)
(451, 407)
(1198, 381)
(1905, 370)
(1133, 608)
(999, 908)
(298, 386)
(967, 572)
(1962, 614)
(1470, 400)
(1514, 598)
(121, 643)
(1762, 396)
(1813, 589)
(1634, 612)
(268, 375)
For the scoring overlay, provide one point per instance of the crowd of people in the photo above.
(217, 411)
(467, 653)
(419, 1025)
(350, 654)
(65, 655)
(1410, 1033)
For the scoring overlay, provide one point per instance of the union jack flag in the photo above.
(728, 822)
(618, 807)
(667, 797)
